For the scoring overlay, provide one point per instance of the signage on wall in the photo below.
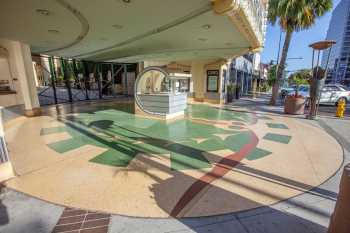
(213, 80)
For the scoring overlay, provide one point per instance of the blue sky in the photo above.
(299, 44)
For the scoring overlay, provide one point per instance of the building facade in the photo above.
(201, 35)
(245, 71)
(339, 30)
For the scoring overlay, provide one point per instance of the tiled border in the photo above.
(82, 221)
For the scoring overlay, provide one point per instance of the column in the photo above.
(140, 67)
(25, 74)
(199, 80)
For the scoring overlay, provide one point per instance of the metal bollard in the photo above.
(340, 219)
(341, 108)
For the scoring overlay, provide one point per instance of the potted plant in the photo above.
(295, 104)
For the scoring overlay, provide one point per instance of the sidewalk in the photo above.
(309, 212)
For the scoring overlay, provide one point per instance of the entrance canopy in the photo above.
(135, 30)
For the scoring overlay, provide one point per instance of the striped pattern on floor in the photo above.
(82, 221)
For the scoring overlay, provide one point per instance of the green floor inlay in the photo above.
(210, 144)
(277, 138)
(124, 135)
(66, 145)
(53, 130)
(185, 157)
(116, 158)
(236, 142)
(212, 113)
(258, 153)
(276, 126)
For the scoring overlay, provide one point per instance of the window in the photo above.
(333, 88)
(213, 80)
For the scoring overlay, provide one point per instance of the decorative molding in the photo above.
(3, 52)
(241, 15)
(145, 56)
(218, 62)
(222, 7)
(84, 26)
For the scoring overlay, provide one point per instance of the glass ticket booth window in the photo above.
(154, 82)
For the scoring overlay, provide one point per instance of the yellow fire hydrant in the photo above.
(341, 108)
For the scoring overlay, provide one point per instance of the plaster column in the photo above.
(198, 72)
(140, 67)
(25, 74)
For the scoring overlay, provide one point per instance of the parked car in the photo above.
(285, 91)
(330, 94)
(303, 90)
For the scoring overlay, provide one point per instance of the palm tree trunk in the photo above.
(280, 67)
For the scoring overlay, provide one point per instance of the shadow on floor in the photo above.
(166, 198)
(257, 219)
(263, 219)
(4, 218)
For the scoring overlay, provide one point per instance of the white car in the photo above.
(330, 93)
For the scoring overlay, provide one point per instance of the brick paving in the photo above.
(82, 221)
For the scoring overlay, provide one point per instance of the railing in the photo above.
(256, 12)
(4, 157)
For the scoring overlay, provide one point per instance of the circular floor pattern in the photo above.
(215, 161)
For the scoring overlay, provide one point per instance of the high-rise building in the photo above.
(339, 30)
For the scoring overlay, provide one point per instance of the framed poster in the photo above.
(213, 80)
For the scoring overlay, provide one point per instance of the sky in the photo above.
(299, 46)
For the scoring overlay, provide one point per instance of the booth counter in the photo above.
(164, 103)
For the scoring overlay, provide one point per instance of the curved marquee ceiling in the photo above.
(122, 30)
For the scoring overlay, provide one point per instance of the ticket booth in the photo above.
(161, 94)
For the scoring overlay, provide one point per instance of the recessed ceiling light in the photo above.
(53, 31)
(117, 26)
(206, 26)
(43, 12)
(202, 39)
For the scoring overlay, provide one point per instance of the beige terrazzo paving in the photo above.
(148, 187)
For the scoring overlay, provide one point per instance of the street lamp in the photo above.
(316, 79)
(290, 58)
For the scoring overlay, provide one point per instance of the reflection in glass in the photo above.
(153, 82)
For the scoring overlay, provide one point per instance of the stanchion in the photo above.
(315, 82)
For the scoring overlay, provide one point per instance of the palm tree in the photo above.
(293, 16)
